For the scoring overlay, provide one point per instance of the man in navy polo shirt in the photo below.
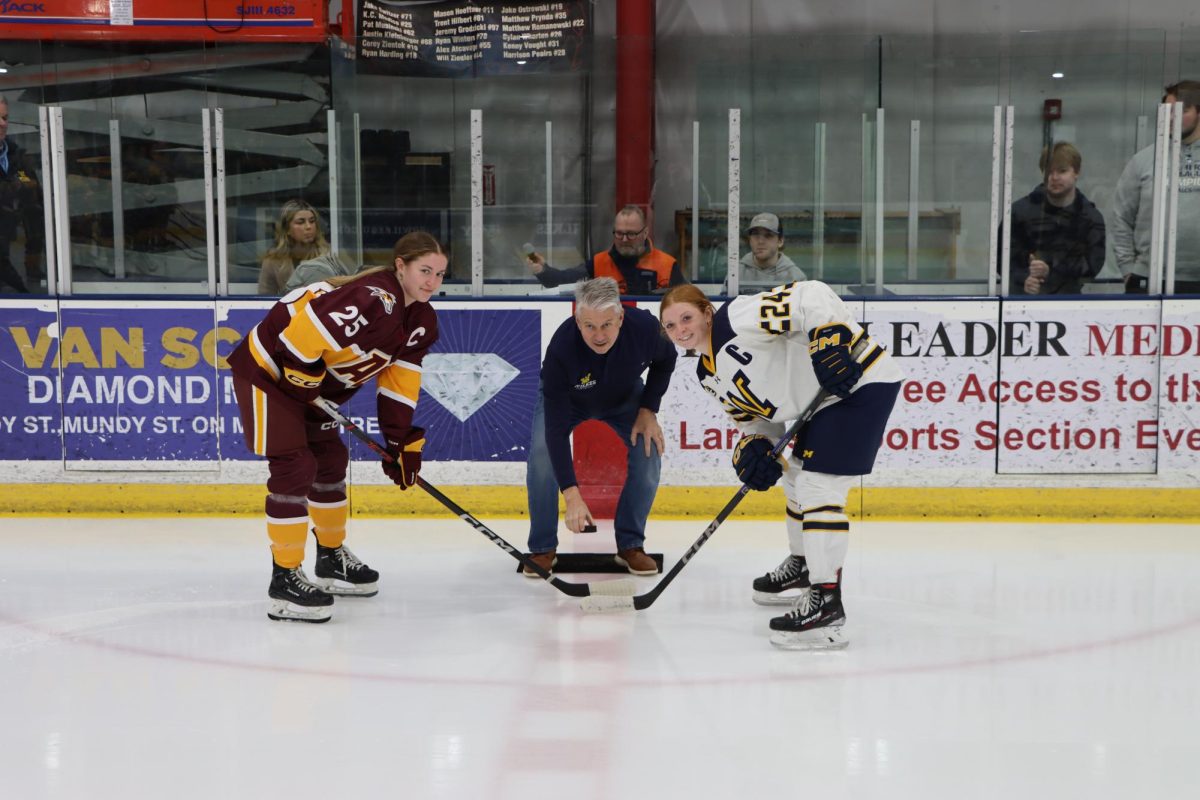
(593, 370)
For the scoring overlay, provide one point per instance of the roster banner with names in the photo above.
(462, 39)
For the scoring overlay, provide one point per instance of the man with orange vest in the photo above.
(635, 264)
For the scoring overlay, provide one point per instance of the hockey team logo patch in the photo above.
(586, 382)
(387, 298)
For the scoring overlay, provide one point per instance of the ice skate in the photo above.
(339, 571)
(815, 623)
(294, 598)
(783, 585)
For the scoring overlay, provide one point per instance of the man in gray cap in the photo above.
(765, 266)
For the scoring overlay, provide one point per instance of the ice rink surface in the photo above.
(985, 661)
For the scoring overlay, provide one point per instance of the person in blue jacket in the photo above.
(593, 370)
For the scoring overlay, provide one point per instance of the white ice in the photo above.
(985, 661)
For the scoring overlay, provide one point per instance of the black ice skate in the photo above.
(782, 586)
(295, 599)
(815, 623)
(340, 572)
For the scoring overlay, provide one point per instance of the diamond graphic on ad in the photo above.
(463, 382)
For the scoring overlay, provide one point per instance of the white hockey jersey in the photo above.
(761, 368)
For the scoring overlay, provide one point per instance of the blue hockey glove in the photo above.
(754, 464)
(836, 370)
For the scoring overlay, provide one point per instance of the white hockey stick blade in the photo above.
(820, 639)
(618, 588)
(605, 603)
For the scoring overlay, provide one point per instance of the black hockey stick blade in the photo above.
(601, 604)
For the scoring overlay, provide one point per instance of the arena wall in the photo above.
(1028, 409)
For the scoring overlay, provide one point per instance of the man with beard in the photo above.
(1133, 201)
(632, 261)
(1058, 234)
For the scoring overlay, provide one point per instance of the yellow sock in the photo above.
(329, 520)
(287, 540)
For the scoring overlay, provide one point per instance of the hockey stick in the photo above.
(621, 588)
(643, 601)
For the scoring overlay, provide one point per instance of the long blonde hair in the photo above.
(284, 248)
(413, 244)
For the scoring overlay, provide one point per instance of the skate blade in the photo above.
(283, 611)
(781, 599)
(346, 589)
(819, 639)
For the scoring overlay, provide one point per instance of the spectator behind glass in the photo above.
(298, 237)
(765, 266)
(20, 203)
(1058, 234)
(1133, 204)
(638, 267)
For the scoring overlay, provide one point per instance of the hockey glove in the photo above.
(754, 464)
(300, 380)
(836, 370)
(407, 454)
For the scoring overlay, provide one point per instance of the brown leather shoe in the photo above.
(545, 560)
(637, 562)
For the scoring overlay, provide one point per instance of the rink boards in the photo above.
(1063, 397)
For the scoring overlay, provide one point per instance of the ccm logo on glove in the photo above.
(302, 381)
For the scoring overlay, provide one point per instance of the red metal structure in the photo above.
(598, 455)
(635, 102)
(168, 20)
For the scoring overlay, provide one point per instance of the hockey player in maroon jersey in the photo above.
(326, 340)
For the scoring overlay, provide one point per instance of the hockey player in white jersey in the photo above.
(765, 357)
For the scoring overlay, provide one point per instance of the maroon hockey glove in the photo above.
(300, 380)
(407, 454)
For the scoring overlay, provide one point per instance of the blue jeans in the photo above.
(637, 496)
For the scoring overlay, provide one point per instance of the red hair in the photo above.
(685, 293)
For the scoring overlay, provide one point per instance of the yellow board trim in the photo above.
(672, 502)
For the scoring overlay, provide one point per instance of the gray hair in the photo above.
(597, 294)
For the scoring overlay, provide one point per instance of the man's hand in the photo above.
(1033, 285)
(1038, 268)
(578, 516)
(535, 262)
(647, 425)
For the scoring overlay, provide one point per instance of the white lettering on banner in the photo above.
(368, 424)
(167, 424)
(41, 424)
(102, 426)
(8, 423)
(120, 389)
